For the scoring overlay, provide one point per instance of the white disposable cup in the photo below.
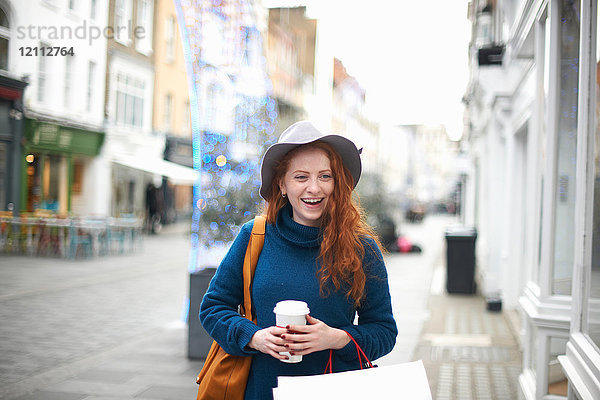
(291, 312)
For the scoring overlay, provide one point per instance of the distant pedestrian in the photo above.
(154, 208)
(318, 249)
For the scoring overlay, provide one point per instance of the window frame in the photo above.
(5, 33)
(170, 32)
(89, 102)
(123, 11)
(42, 76)
(144, 45)
(69, 75)
(133, 92)
(582, 359)
(550, 166)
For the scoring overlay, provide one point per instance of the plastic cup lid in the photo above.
(291, 307)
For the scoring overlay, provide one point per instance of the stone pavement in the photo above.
(110, 328)
(469, 353)
(106, 328)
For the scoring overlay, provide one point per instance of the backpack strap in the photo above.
(255, 245)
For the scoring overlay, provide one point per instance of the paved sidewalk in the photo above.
(155, 367)
(103, 328)
(469, 353)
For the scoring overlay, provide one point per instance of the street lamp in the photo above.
(488, 52)
(484, 27)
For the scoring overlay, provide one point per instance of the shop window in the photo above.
(566, 143)
(593, 304)
(46, 182)
(542, 63)
(76, 185)
(50, 183)
(33, 182)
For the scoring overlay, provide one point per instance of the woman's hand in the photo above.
(316, 336)
(269, 341)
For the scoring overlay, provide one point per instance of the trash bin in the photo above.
(460, 259)
(199, 341)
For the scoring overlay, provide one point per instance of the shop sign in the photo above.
(179, 150)
(49, 136)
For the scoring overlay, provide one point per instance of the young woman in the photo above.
(317, 249)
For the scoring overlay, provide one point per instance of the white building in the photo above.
(131, 148)
(532, 186)
(348, 117)
(58, 46)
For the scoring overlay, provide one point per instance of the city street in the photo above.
(62, 318)
(111, 328)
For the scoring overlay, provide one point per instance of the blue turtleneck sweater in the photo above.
(286, 270)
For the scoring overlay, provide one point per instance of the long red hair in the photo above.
(343, 226)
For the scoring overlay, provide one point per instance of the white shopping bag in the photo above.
(400, 381)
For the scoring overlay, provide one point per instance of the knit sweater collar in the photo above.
(290, 230)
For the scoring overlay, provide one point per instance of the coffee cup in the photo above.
(291, 312)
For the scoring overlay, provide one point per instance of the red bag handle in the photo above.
(359, 351)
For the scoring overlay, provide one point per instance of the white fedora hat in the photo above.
(304, 132)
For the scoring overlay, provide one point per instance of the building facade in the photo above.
(290, 54)
(171, 108)
(349, 117)
(136, 177)
(531, 186)
(131, 147)
(62, 124)
(11, 134)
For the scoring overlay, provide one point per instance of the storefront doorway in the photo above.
(47, 183)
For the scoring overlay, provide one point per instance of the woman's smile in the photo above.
(313, 201)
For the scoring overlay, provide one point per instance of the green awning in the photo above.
(51, 136)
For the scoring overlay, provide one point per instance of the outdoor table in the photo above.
(33, 235)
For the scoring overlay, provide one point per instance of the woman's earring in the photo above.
(282, 194)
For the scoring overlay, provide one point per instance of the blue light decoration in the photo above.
(233, 117)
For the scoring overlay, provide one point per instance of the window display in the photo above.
(593, 319)
(564, 202)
